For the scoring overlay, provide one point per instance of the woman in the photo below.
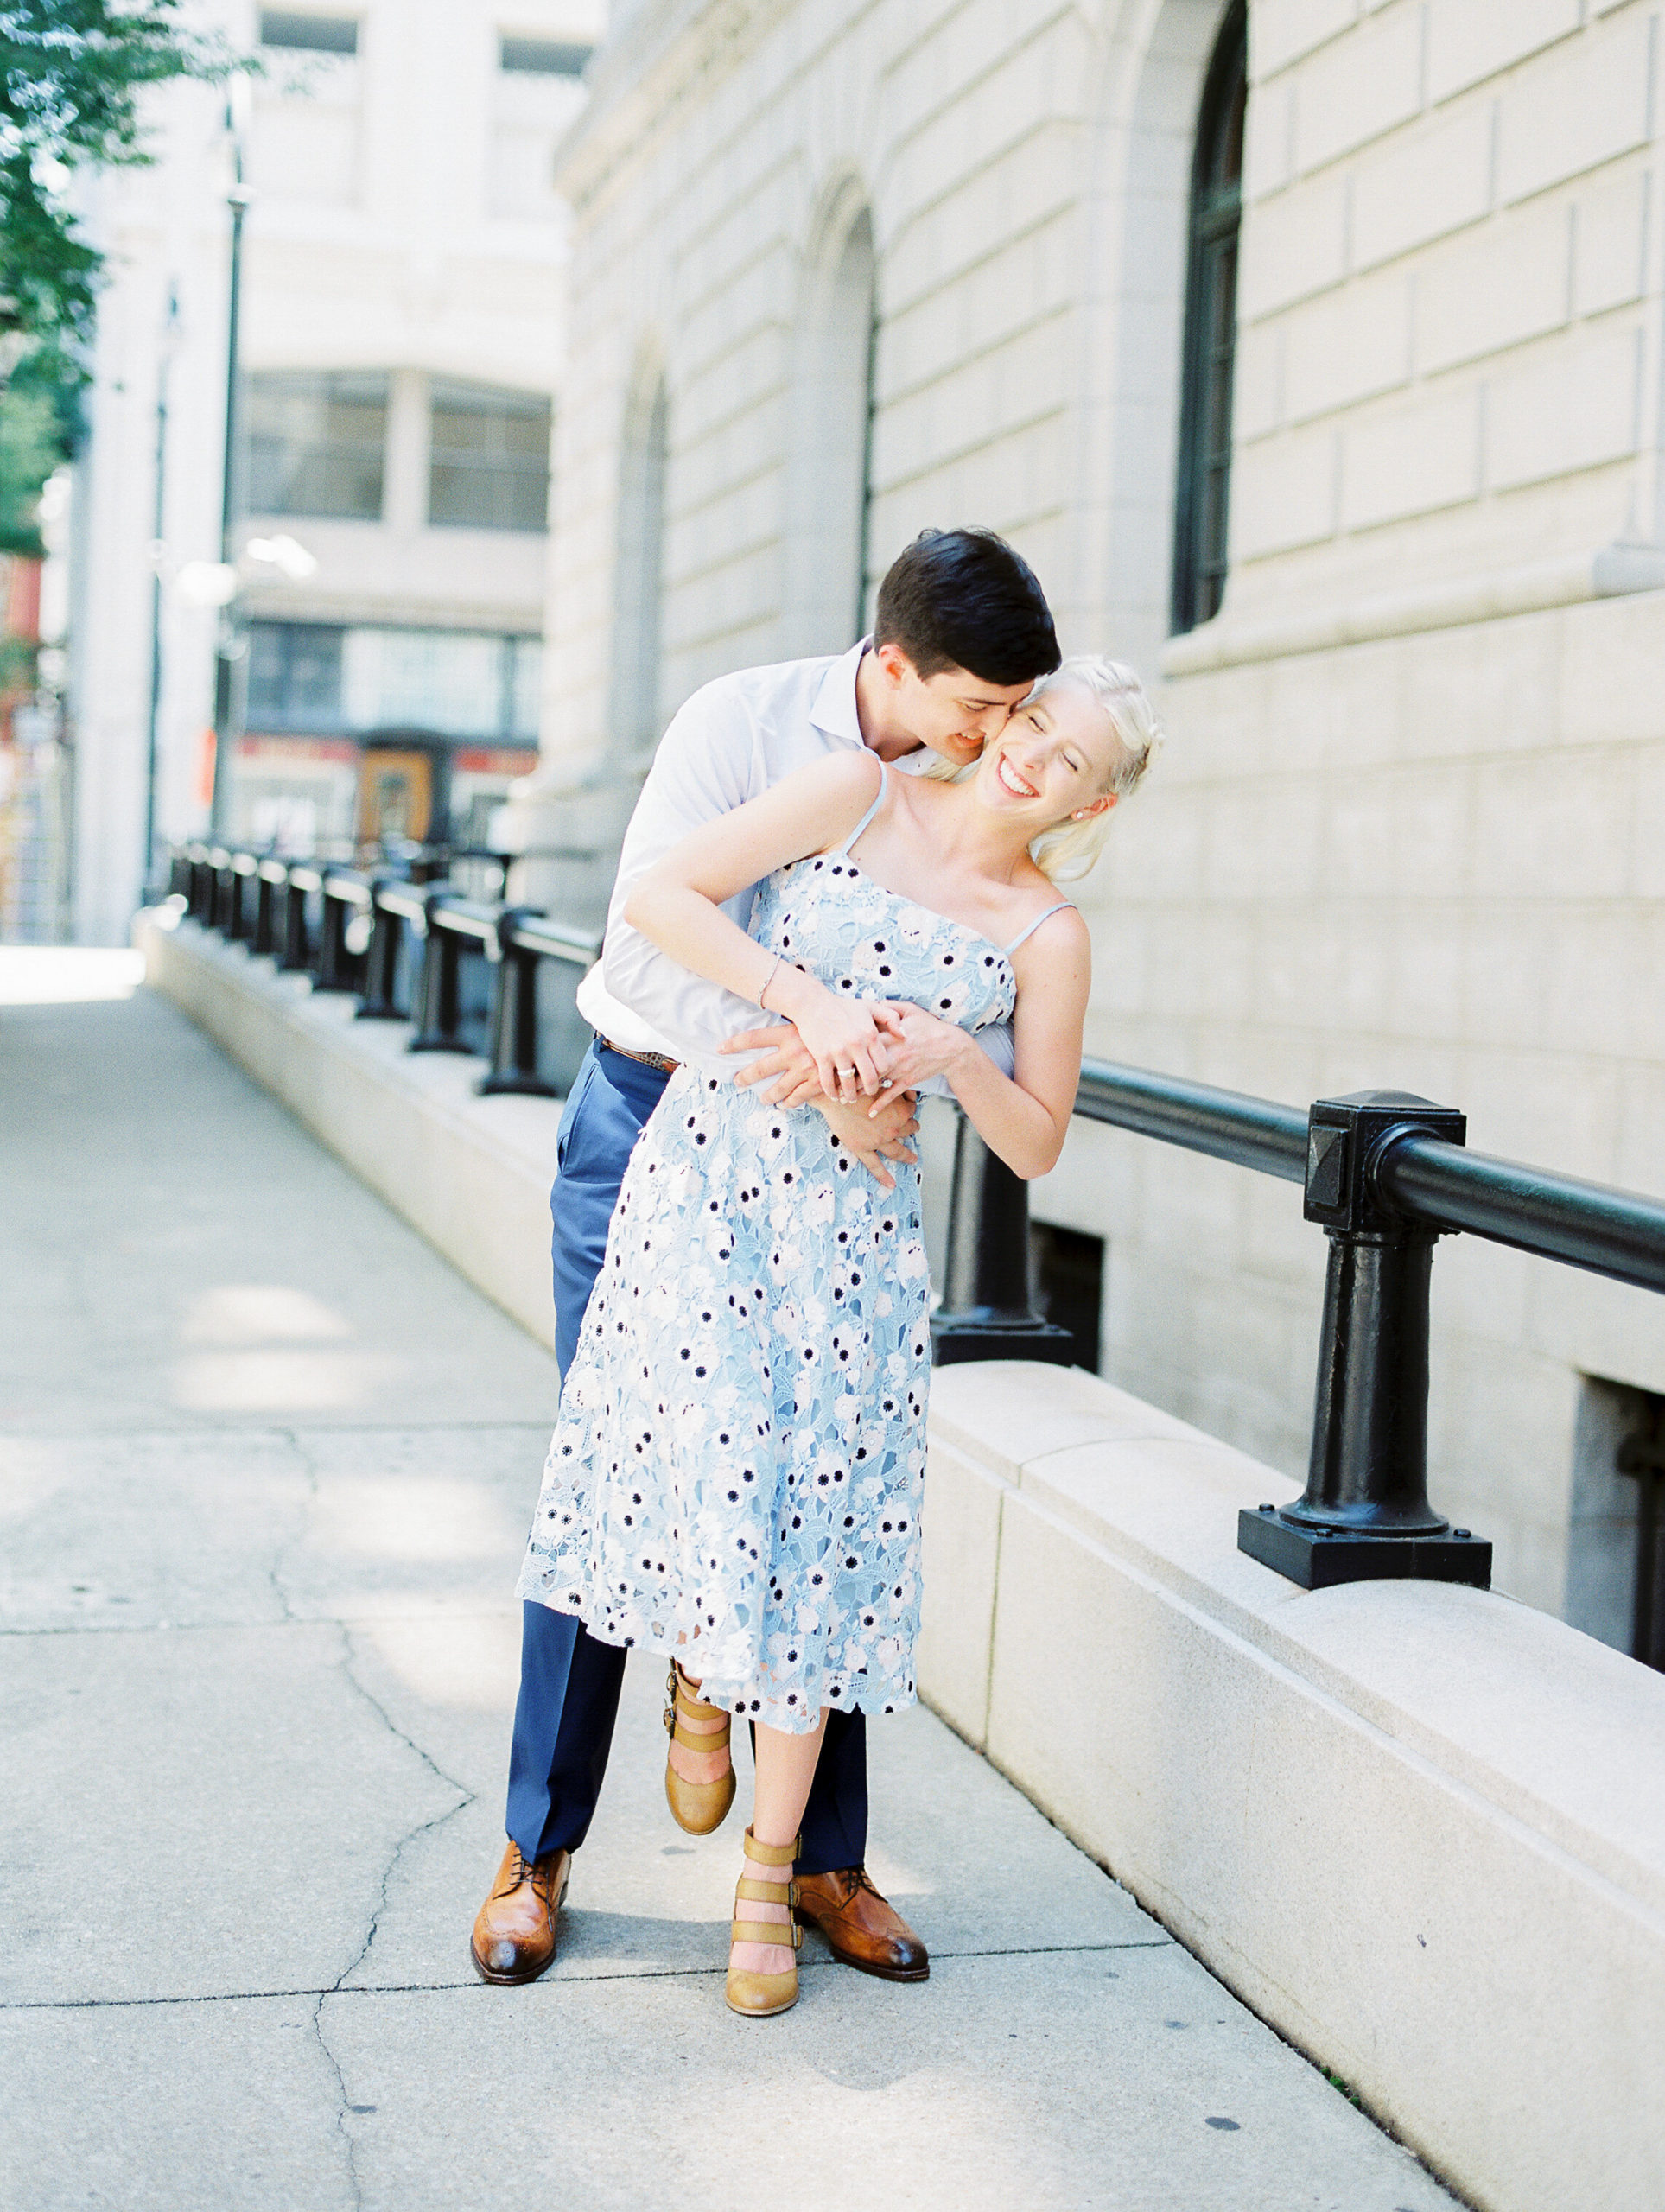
(735, 1479)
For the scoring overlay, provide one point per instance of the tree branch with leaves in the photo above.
(71, 75)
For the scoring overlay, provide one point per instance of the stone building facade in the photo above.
(843, 271)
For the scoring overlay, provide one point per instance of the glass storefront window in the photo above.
(526, 685)
(450, 681)
(295, 675)
(316, 678)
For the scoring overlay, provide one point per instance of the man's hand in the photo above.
(873, 1137)
(785, 1064)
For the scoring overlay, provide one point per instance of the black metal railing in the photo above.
(470, 978)
(1383, 1173)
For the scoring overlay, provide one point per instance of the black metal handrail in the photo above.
(1227, 1124)
(1383, 1173)
(1605, 1231)
(1620, 1234)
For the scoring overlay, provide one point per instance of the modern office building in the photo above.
(375, 667)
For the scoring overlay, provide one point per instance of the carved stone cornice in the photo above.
(665, 54)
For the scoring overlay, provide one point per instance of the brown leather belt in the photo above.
(644, 1060)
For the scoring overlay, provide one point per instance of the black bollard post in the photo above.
(986, 1311)
(267, 883)
(439, 1007)
(1365, 1514)
(220, 881)
(514, 1016)
(239, 922)
(297, 938)
(338, 968)
(382, 961)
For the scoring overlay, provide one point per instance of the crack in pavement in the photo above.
(274, 1572)
(213, 1627)
(45, 1432)
(464, 1796)
(554, 1979)
(349, 2144)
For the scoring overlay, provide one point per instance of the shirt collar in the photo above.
(834, 710)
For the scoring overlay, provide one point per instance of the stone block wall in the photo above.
(1447, 324)
(1406, 829)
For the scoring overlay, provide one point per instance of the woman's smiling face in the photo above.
(1053, 759)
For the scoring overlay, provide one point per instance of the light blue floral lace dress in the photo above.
(737, 1476)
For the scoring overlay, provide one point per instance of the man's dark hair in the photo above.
(964, 599)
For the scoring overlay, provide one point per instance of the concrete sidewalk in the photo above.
(267, 1464)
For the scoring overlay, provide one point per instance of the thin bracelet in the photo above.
(764, 993)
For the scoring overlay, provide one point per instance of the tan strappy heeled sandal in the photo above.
(697, 1808)
(758, 1996)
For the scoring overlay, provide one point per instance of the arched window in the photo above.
(826, 521)
(1204, 473)
(634, 707)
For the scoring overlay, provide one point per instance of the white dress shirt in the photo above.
(736, 738)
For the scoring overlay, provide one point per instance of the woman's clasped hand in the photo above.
(849, 1039)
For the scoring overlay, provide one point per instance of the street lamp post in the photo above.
(238, 200)
(164, 361)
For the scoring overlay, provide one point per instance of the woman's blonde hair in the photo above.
(1067, 852)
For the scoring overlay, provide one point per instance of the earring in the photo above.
(1080, 815)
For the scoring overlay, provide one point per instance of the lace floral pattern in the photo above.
(737, 1471)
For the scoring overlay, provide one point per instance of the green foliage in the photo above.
(29, 450)
(1346, 2089)
(39, 420)
(69, 73)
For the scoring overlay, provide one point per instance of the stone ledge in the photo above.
(1232, 641)
(472, 1174)
(1417, 1827)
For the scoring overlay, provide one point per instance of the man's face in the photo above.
(953, 712)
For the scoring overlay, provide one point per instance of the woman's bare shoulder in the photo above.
(841, 778)
(1052, 939)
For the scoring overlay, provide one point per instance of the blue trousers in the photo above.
(570, 1681)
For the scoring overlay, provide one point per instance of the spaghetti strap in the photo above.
(879, 800)
(1008, 949)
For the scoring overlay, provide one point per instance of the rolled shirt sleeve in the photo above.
(713, 758)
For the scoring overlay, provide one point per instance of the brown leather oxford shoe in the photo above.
(514, 1934)
(861, 1929)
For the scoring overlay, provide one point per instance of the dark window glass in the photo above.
(1067, 1269)
(490, 467)
(295, 676)
(543, 57)
(1202, 501)
(310, 34)
(316, 445)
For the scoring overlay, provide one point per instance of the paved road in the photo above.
(267, 1464)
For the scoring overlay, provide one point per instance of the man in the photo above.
(962, 632)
